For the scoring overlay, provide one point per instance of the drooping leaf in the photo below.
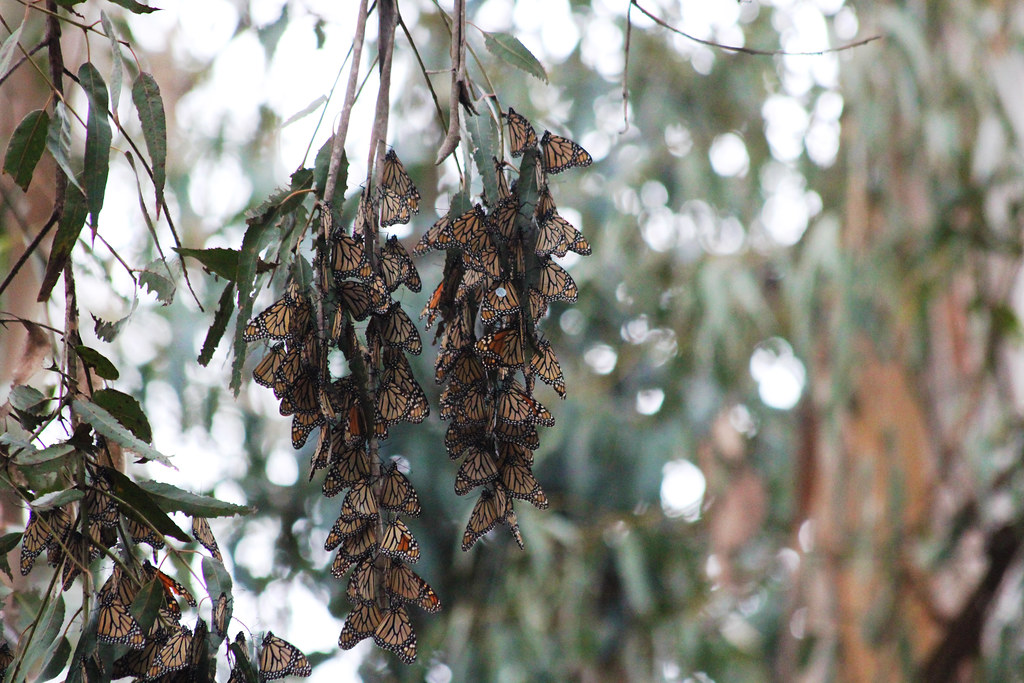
(158, 283)
(25, 398)
(147, 604)
(68, 229)
(126, 409)
(100, 364)
(116, 68)
(218, 582)
(56, 659)
(142, 504)
(45, 635)
(149, 104)
(98, 139)
(8, 48)
(108, 331)
(220, 323)
(172, 499)
(135, 7)
(484, 134)
(26, 147)
(8, 542)
(57, 499)
(58, 143)
(220, 261)
(305, 111)
(105, 423)
(49, 458)
(270, 34)
(507, 48)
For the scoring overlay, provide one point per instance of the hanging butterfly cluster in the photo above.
(499, 273)
(355, 411)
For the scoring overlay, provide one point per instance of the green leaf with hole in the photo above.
(108, 331)
(108, 426)
(142, 504)
(220, 324)
(26, 147)
(172, 499)
(68, 229)
(98, 139)
(158, 283)
(149, 104)
(98, 362)
(126, 409)
(58, 143)
(507, 48)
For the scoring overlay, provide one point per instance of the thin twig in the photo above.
(21, 61)
(30, 249)
(423, 70)
(458, 56)
(747, 50)
(338, 148)
(625, 70)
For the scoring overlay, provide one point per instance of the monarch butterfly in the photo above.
(466, 229)
(433, 306)
(399, 197)
(356, 298)
(342, 529)
(545, 364)
(398, 267)
(171, 587)
(173, 655)
(265, 373)
(199, 648)
(402, 584)
(478, 469)
(500, 301)
(514, 406)
(142, 533)
(202, 533)
(475, 406)
(344, 472)
(429, 240)
(502, 220)
(349, 259)
(558, 236)
(512, 522)
(397, 493)
(396, 329)
(472, 278)
(524, 435)
(394, 633)
(360, 544)
(34, 541)
(521, 133)
(489, 511)
(398, 542)
(361, 623)
(458, 438)
(116, 589)
(116, 625)
(499, 172)
(302, 425)
(138, 662)
(502, 348)
(100, 506)
(279, 658)
(360, 501)
(561, 153)
(82, 552)
(303, 396)
(363, 583)
(286, 318)
(400, 397)
(221, 615)
(6, 657)
(380, 297)
(517, 478)
(486, 261)
(554, 283)
(538, 305)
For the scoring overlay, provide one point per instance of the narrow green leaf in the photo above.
(56, 660)
(305, 111)
(159, 284)
(484, 133)
(105, 423)
(135, 7)
(108, 331)
(220, 324)
(320, 169)
(56, 499)
(147, 604)
(140, 503)
(116, 68)
(46, 634)
(218, 582)
(507, 48)
(58, 143)
(149, 104)
(125, 410)
(68, 229)
(82, 658)
(98, 362)
(8, 542)
(8, 48)
(172, 499)
(98, 139)
(219, 261)
(26, 147)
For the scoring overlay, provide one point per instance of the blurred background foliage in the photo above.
(792, 444)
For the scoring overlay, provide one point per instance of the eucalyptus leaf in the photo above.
(172, 499)
(107, 425)
(126, 410)
(100, 364)
(150, 106)
(510, 50)
(69, 227)
(26, 146)
(220, 324)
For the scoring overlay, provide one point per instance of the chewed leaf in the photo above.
(220, 324)
(508, 48)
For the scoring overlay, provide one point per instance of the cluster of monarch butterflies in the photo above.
(499, 273)
(355, 412)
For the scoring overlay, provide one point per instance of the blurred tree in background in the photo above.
(792, 444)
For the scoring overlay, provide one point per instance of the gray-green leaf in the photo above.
(507, 48)
(26, 147)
